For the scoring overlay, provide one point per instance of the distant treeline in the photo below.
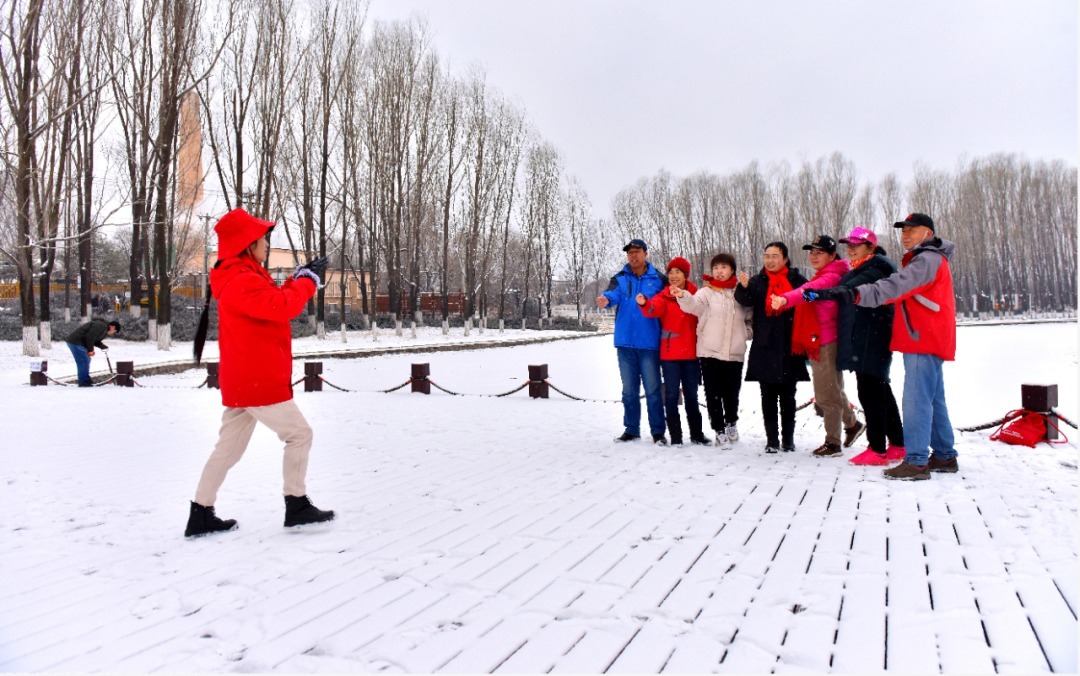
(1013, 220)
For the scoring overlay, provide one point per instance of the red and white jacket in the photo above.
(678, 329)
(925, 321)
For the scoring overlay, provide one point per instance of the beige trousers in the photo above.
(829, 394)
(237, 425)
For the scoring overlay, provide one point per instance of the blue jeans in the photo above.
(636, 367)
(82, 363)
(926, 418)
(687, 374)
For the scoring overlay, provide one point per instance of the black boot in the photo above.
(299, 510)
(203, 521)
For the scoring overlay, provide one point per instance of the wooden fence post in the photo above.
(538, 387)
(37, 372)
(312, 379)
(420, 382)
(125, 374)
(1041, 399)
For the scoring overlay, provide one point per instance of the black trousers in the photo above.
(784, 394)
(883, 419)
(723, 380)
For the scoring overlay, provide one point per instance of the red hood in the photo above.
(236, 230)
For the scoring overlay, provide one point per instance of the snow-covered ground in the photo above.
(511, 534)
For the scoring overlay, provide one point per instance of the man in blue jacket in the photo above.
(637, 340)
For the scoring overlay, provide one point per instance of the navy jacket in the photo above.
(863, 333)
(770, 359)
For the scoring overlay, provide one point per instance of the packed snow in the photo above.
(479, 533)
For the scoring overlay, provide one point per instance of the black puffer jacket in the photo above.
(770, 359)
(90, 334)
(863, 333)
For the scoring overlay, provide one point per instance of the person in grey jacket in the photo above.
(82, 342)
(724, 327)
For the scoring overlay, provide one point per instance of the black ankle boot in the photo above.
(203, 521)
(299, 510)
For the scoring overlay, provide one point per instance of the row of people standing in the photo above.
(701, 333)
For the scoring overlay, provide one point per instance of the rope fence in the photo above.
(1035, 397)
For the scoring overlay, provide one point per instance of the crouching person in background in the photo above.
(82, 342)
(255, 341)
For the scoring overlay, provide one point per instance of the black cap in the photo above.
(823, 242)
(116, 325)
(639, 243)
(916, 219)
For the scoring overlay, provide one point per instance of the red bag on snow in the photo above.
(1024, 428)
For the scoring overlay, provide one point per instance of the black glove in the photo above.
(318, 266)
(840, 294)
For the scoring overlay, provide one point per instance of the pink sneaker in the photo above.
(895, 453)
(869, 457)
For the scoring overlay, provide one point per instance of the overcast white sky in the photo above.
(624, 88)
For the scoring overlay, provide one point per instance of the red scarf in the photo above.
(717, 284)
(806, 333)
(778, 286)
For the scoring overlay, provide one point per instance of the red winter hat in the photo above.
(681, 263)
(238, 229)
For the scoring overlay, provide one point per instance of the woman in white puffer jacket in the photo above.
(722, 333)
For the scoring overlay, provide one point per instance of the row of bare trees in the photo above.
(356, 139)
(1013, 220)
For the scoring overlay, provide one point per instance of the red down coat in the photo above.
(678, 329)
(254, 335)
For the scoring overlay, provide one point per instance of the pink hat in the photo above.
(860, 235)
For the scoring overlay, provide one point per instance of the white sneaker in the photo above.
(722, 440)
(732, 432)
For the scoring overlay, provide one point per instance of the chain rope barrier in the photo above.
(701, 403)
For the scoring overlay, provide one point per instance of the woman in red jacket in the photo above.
(678, 351)
(255, 341)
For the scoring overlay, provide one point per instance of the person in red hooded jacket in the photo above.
(255, 341)
(678, 351)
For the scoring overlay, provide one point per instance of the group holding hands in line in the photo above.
(849, 316)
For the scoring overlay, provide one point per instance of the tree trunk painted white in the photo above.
(502, 325)
(344, 338)
(45, 331)
(481, 321)
(418, 317)
(523, 323)
(134, 310)
(89, 310)
(30, 345)
(320, 330)
(151, 329)
(468, 321)
(413, 328)
(374, 332)
(397, 326)
(67, 314)
(445, 327)
(164, 337)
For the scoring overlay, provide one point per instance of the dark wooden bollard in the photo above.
(1041, 399)
(212, 376)
(420, 382)
(313, 376)
(125, 374)
(37, 373)
(538, 387)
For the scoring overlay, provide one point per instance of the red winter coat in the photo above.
(254, 335)
(678, 329)
(925, 320)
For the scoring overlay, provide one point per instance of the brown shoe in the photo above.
(938, 465)
(907, 472)
(827, 450)
(853, 433)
